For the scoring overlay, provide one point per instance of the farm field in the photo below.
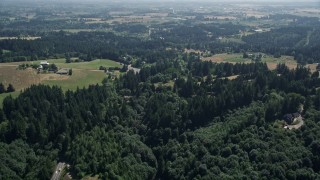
(237, 58)
(84, 74)
(79, 79)
(222, 58)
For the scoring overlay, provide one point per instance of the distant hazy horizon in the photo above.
(308, 3)
(255, 1)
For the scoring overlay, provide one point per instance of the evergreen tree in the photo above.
(70, 72)
(10, 88)
(2, 88)
(68, 58)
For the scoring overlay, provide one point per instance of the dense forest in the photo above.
(194, 130)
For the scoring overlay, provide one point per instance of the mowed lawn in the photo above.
(92, 65)
(84, 74)
(80, 78)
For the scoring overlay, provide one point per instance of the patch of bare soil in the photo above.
(312, 67)
(272, 66)
(214, 59)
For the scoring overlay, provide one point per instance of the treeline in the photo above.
(94, 44)
(302, 42)
(3, 89)
(193, 35)
(41, 24)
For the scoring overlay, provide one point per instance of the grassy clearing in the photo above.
(84, 74)
(92, 65)
(232, 58)
(312, 67)
(96, 177)
(232, 40)
(168, 84)
(6, 51)
(237, 58)
(272, 62)
(79, 79)
(20, 79)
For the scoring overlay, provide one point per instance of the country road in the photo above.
(136, 70)
(58, 171)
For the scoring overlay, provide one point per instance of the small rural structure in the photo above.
(290, 118)
(63, 71)
(44, 63)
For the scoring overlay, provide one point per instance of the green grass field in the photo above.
(79, 78)
(234, 58)
(237, 58)
(84, 74)
(282, 59)
(93, 65)
(268, 59)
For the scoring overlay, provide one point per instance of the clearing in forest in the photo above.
(238, 58)
(84, 74)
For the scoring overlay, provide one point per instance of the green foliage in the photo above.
(19, 161)
(70, 72)
(237, 147)
(208, 126)
(68, 58)
(112, 154)
(2, 88)
(10, 88)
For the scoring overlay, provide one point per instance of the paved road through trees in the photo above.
(58, 171)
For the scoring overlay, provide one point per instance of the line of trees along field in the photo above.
(199, 128)
(3, 89)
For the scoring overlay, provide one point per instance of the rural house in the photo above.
(289, 118)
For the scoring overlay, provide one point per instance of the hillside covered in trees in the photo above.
(166, 113)
(129, 128)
